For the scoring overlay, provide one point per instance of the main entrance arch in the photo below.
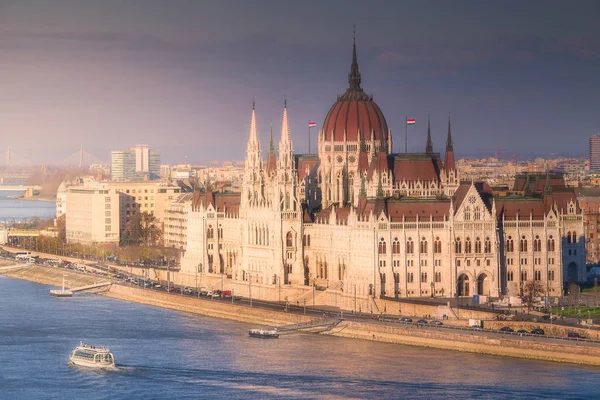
(483, 286)
(463, 285)
(572, 272)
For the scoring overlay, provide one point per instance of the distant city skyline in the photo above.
(182, 76)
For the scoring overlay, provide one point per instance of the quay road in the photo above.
(386, 320)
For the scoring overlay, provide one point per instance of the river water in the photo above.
(20, 210)
(163, 354)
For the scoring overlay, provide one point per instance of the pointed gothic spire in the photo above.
(449, 145)
(429, 145)
(271, 147)
(354, 75)
(253, 141)
(547, 187)
(449, 163)
(363, 191)
(285, 130)
(379, 188)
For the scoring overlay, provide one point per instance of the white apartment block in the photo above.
(93, 215)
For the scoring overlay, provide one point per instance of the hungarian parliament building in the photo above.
(361, 221)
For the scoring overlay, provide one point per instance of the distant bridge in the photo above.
(16, 188)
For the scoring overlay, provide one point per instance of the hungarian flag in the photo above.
(312, 124)
(411, 121)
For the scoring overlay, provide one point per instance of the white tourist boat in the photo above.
(85, 355)
(264, 333)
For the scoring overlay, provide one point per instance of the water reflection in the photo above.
(165, 354)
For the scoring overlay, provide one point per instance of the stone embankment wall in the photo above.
(203, 306)
(392, 333)
(510, 346)
(54, 276)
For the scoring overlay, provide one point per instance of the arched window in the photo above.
(423, 247)
(467, 213)
(487, 247)
(537, 244)
(382, 246)
(550, 243)
(289, 240)
(467, 245)
(569, 237)
(396, 246)
(409, 246)
(477, 214)
(210, 233)
(477, 245)
(574, 239)
(437, 246)
(510, 245)
(523, 244)
(458, 246)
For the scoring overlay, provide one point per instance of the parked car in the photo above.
(421, 322)
(575, 335)
(438, 323)
(506, 329)
(538, 331)
(522, 331)
(548, 317)
(405, 319)
(475, 327)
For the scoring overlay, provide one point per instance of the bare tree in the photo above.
(531, 290)
(573, 294)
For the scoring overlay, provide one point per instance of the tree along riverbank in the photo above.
(467, 341)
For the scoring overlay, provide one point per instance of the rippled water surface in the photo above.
(19, 209)
(163, 354)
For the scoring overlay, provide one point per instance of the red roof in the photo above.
(271, 162)
(222, 202)
(352, 115)
(379, 163)
(408, 210)
(416, 168)
(305, 165)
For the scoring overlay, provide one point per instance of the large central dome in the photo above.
(354, 111)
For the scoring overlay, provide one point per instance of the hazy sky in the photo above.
(181, 75)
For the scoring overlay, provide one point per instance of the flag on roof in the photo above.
(411, 121)
(312, 124)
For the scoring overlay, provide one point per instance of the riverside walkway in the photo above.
(316, 325)
(93, 286)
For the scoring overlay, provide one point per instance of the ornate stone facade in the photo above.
(360, 221)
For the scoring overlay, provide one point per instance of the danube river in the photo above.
(164, 354)
(19, 210)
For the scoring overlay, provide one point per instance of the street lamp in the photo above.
(250, 288)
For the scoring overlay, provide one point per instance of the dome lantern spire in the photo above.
(354, 75)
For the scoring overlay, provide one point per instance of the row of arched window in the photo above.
(258, 235)
(476, 213)
(410, 246)
(571, 237)
(468, 246)
(537, 244)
